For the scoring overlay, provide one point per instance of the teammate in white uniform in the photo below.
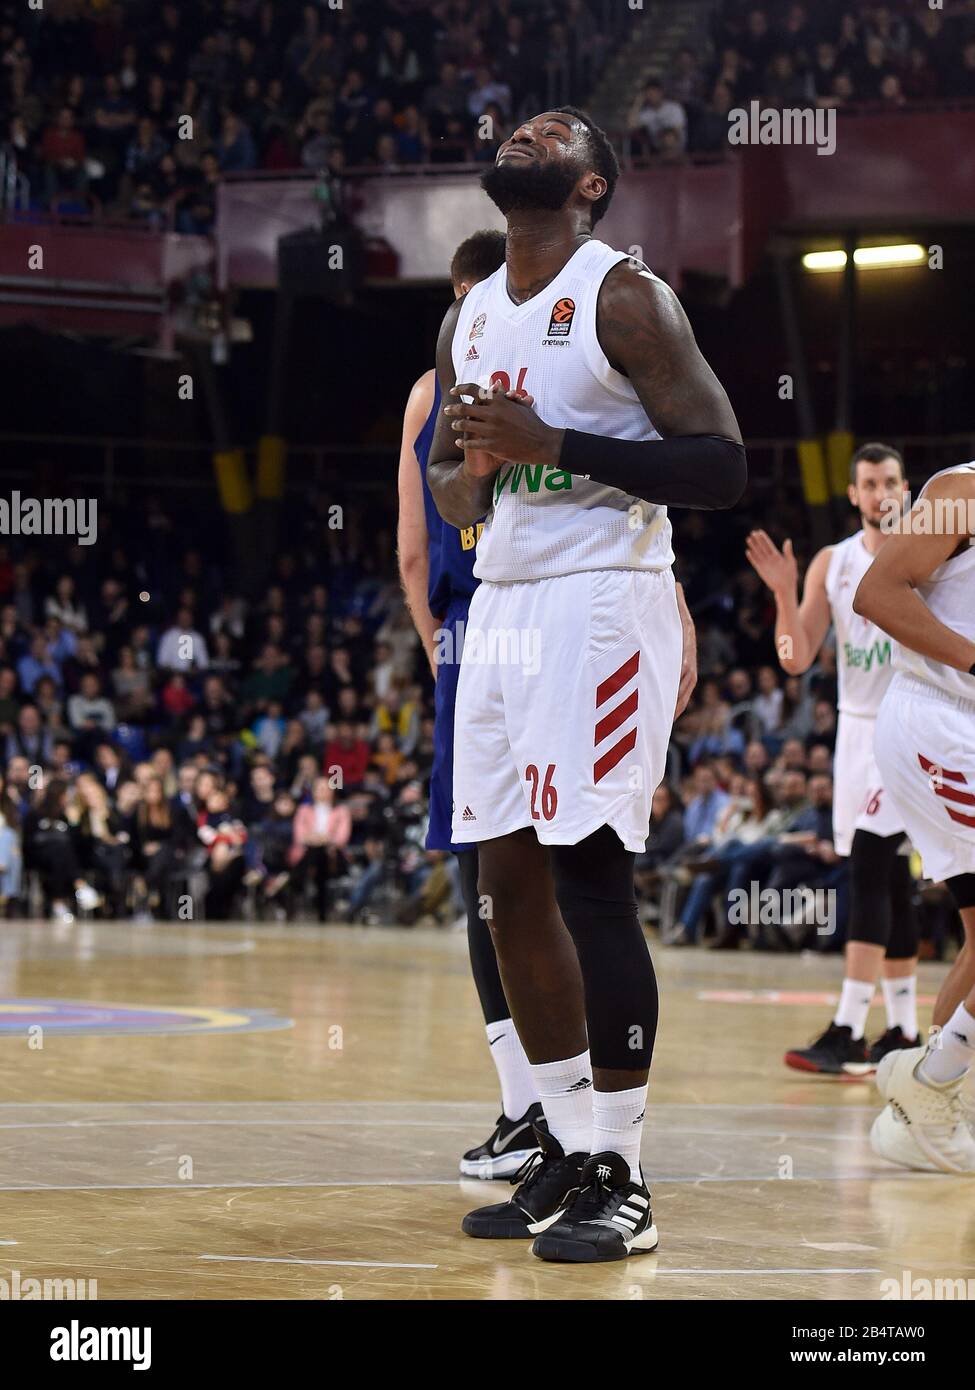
(572, 657)
(922, 591)
(867, 825)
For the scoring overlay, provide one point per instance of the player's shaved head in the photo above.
(603, 157)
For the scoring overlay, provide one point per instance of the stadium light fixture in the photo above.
(867, 257)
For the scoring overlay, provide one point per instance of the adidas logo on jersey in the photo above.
(468, 814)
(472, 353)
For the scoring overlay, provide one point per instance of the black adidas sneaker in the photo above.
(891, 1041)
(548, 1182)
(834, 1052)
(512, 1142)
(609, 1219)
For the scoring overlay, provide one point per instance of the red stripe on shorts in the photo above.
(623, 711)
(609, 760)
(940, 772)
(618, 679)
(951, 794)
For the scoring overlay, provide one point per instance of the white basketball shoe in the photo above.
(924, 1124)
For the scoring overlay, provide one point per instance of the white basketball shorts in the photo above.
(860, 801)
(925, 749)
(565, 704)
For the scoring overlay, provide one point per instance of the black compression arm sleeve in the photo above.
(689, 470)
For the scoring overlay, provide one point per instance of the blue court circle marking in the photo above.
(77, 1016)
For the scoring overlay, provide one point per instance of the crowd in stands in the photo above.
(847, 54)
(97, 95)
(137, 109)
(202, 753)
(173, 750)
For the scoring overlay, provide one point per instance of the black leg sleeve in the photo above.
(904, 928)
(484, 961)
(877, 888)
(594, 888)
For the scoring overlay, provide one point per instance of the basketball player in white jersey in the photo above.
(436, 570)
(922, 591)
(572, 656)
(867, 826)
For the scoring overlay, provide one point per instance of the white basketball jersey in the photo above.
(864, 652)
(950, 594)
(544, 521)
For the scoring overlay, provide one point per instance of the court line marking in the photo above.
(287, 1260)
(250, 1185)
(73, 950)
(97, 1123)
(416, 1104)
(817, 1136)
(247, 1185)
(811, 1270)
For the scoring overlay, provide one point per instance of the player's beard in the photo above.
(515, 186)
(882, 520)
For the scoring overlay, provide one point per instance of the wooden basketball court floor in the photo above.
(245, 1112)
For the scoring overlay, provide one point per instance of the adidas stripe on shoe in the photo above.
(610, 1218)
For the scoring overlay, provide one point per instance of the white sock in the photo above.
(955, 1051)
(851, 1012)
(617, 1124)
(513, 1068)
(567, 1102)
(900, 1001)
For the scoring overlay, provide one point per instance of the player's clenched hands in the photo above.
(777, 567)
(502, 424)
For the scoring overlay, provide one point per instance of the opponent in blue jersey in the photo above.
(436, 568)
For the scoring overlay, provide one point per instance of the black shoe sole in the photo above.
(559, 1249)
(497, 1229)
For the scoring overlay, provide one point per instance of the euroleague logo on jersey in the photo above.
(477, 327)
(561, 320)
